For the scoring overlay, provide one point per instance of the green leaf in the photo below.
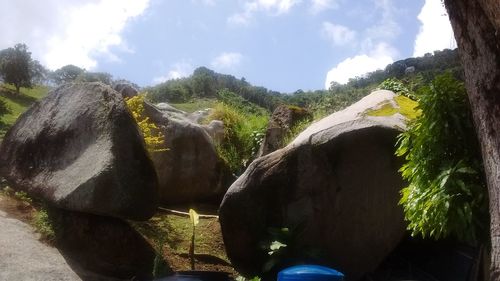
(275, 246)
(194, 217)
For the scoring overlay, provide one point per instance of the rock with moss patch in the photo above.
(80, 149)
(336, 187)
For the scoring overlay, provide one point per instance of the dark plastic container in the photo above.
(310, 273)
(197, 276)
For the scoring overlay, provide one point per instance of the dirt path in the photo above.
(24, 257)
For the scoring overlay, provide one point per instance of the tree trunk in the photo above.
(476, 24)
(18, 88)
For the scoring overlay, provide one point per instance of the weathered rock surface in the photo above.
(126, 90)
(105, 246)
(191, 170)
(23, 257)
(80, 149)
(336, 186)
(282, 120)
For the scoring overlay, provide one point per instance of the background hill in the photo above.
(205, 86)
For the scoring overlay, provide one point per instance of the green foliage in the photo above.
(195, 105)
(44, 225)
(66, 74)
(241, 278)
(17, 103)
(238, 146)
(284, 248)
(205, 83)
(23, 196)
(102, 77)
(153, 137)
(296, 130)
(395, 85)
(446, 194)
(18, 68)
(240, 103)
(257, 138)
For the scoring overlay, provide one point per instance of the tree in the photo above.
(476, 24)
(66, 74)
(103, 77)
(16, 66)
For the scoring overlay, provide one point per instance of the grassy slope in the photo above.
(18, 103)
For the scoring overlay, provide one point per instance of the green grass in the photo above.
(18, 103)
(195, 105)
(172, 233)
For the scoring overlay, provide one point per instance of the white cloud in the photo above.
(435, 32)
(374, 44)
(178, 70)
(378, 58)
(338, 34)
(318, 6)
(69, 32)
(273, 7)
(226, 60)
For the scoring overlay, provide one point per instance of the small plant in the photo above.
(23, 196)
(257, 138)
(194, 218)
(44, 225)
(295, 130)
(241, 278)
(395, 85)
(153, 137)
(284, 248)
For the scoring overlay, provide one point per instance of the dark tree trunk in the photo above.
(476, 24)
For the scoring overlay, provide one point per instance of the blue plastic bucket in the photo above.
(310, 273)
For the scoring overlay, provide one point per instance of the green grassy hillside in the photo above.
(18, 103)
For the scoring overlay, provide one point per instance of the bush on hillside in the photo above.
(238, 145)
(446, 195)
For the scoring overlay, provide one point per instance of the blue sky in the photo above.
(284, 45)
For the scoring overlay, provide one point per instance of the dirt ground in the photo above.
(171, 232)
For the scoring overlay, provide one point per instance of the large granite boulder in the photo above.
(283, 119)
(336, 187)
(80, 149)
(190, 170)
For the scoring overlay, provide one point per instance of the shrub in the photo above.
(153, 137)
(44, 225)
(238, 145)
(446, 195)
(296, 130)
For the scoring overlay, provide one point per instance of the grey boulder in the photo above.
(190, 170)
(80, 149)
(336, 187)
(282, 120)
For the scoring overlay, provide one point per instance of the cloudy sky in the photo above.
(283, 45)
